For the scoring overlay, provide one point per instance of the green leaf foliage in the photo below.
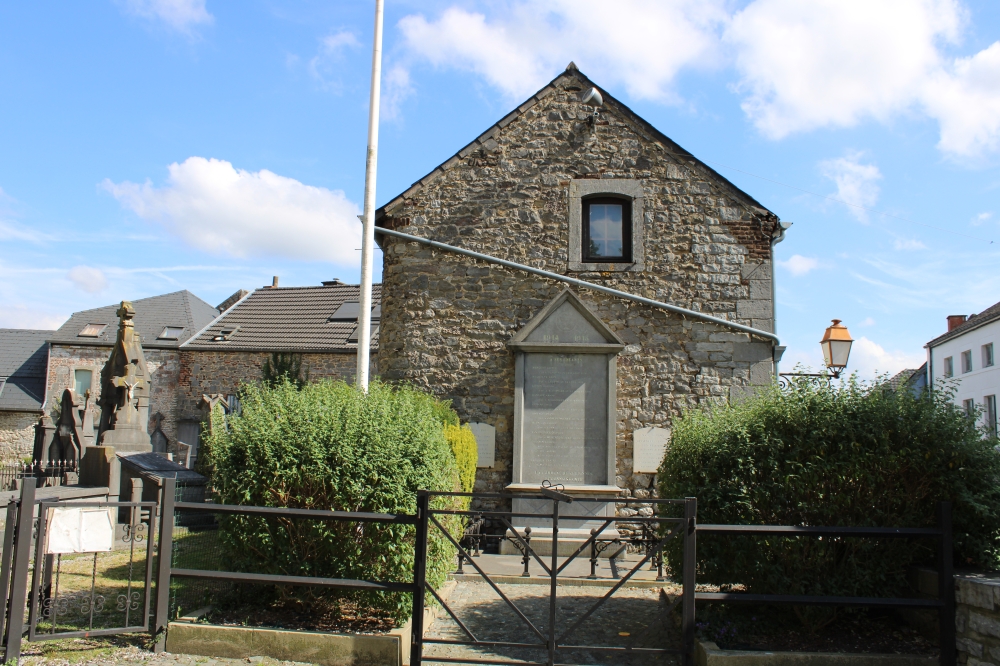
(463, 445)
(855, 455)
(284, 367)
(330, 446)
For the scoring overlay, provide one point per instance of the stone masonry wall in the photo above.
(17, 434)
(977, 619)
(163, 364)
(208, 372)
(446, 319)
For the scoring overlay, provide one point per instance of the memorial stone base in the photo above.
(576, 519)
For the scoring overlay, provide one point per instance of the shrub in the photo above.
(330, 446)
(463, 445)
(857, 454)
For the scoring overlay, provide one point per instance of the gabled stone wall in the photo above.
(446, 319)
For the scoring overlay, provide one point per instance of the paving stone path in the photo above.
(621, 621)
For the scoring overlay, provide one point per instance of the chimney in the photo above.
(330, 283)
(954, 321)
(274, 282)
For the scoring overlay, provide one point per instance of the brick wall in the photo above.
(208, 372)
(17, 434)
(164, 369)
(446, 319)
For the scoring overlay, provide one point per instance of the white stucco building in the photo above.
(967, 354)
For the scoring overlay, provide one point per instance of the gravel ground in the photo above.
(107, 653)
(621, 621)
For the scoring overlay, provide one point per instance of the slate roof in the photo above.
(180, 308)
(24, 360)
(609, 102)
(906, 377)
(287, 319)
(988, 315)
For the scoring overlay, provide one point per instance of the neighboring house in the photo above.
(23, 361)
(966, 354)
(914, 379)
(317, 323)
(81, 347)
(603, 197)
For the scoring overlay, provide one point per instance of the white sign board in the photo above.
(648, 447)
(81, 530)
(486, 439)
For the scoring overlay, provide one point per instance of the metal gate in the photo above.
(51, 596)
(554, 641)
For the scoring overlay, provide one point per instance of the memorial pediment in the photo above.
(566, 325)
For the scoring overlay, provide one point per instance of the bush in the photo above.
(330, 446)
(463, 445)
(857, 454)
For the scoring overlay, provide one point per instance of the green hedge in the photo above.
(463, 445)
(330, 446)
(850, 455)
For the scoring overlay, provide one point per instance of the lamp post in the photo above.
(836, 345)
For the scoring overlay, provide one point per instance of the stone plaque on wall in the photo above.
(565, 426)
(486, 436)
(648, 447)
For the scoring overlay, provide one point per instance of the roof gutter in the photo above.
(581, 283)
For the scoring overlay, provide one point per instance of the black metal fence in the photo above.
(57, 609)
(48, 473)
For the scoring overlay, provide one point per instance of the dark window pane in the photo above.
(606, 239)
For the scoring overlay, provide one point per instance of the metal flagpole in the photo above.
(368, 222)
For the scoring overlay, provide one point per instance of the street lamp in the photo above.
(836, 345)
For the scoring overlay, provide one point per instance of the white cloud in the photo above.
(326, 65)
(800, 66)
(869, 359)
(867, 321)
(908, 244)
(835, 62)
(965, 99)
(396, 87)
(221, 209)
(12, 231)
(20, 316)
(982, 217)
(856, 182)
(181, 15)
(641, 44)
(88, 279)
(798, 265)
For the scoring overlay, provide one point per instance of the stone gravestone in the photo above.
(565, 416)
(124, 398)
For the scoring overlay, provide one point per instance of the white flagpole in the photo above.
(368, 239)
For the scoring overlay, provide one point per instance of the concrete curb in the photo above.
(709, 654)
(328, 649)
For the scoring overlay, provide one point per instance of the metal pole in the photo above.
(368, 226)
(690, 563)
(166, 553)
(553, 583)
(19, 582)
(946, 587)
(419, 578)
(8, 556)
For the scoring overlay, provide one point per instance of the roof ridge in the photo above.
(542, 93)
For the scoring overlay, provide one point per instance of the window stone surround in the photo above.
(586, 187)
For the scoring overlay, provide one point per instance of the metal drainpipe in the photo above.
(582, 283)
(782, 228)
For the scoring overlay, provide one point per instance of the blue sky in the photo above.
(154, 145)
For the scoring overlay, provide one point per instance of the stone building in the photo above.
(195, 351)
(318, 324)
(23, 362)
(80, 348)
(574, 183)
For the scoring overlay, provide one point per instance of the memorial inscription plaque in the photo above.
(565, 428)
(565, 413)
